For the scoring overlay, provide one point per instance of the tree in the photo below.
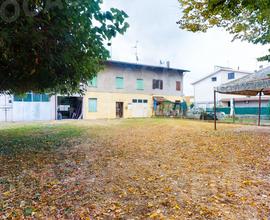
(245, 19)
(54, 45)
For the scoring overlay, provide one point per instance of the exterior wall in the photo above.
(106, 81)
(106, 104)
(6, 108)
(204, 89)
(243, 104)
(107, 94)
(11, 110)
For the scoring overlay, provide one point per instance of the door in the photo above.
(139, 108)
(119, 109)
(6, 108)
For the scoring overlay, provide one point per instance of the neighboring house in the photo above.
(250, 88)
(127, 90)
(204, 87)
(121, 90)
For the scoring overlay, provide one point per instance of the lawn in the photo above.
(134, 169)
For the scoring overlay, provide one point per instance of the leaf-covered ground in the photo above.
(134, 169)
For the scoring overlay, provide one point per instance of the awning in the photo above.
(161, 99)
(249, 85)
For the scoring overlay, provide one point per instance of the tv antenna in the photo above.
(136, 51)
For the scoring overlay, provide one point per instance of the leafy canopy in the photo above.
(245, 19)
(53, 46)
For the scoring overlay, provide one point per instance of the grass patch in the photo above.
(36, 138)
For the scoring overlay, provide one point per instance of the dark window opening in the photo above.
(231, 75)
(157, 84)
(178, 86)
(214, 79)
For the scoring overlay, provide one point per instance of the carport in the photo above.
(256, 84)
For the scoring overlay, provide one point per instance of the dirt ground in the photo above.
(139, 169)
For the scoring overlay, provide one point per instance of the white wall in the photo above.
(204, 90)
(34, 111)
(5, 108)
(26, 111)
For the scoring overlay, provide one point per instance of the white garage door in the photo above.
(139, 108)
(32, 107)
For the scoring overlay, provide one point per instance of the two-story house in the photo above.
(204, 87)
(121, 90)
(126, 90)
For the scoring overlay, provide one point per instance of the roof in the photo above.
(221, 69)
(246, 99)
(143, 66)
(249, 85)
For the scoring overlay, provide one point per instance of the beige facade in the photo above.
(106, 104)
(133, 95)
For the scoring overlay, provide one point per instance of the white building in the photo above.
(204, 87)
(31, 107)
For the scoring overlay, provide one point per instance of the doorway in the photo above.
(69, 107)
(119, 109)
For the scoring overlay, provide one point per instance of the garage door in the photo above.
(32, 107)
(139, 108)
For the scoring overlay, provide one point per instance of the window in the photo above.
(145, 101)
(28, 97)
(92, 105)
(93, 82)
(231, 75)
(18, 98)
(32, 97)
(119, 81)
(139, 84)
(45, 98)
(134, 100)
(214, 79)
(140, 101)
(157, 84)
(178, 86)
(36, 97)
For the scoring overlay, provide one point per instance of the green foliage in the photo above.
(58, 48)
(246, 19)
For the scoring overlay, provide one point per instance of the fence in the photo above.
(254, 111)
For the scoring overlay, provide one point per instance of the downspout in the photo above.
(260, 107)
(215, 110)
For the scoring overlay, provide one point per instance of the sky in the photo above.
(153, 25)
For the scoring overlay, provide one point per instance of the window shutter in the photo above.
(161, 84)
(178, 86)
(119, 82)
(92, 105)
(139, 84)
(154, 83)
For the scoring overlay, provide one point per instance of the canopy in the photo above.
(249, 85)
